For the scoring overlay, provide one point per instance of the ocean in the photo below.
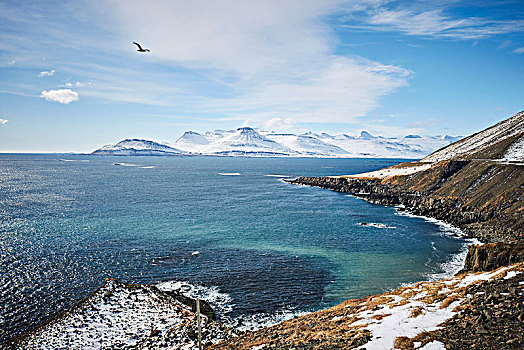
(227, 229)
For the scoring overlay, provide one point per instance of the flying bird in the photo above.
(140, 49)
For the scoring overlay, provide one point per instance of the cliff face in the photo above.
(491, 256)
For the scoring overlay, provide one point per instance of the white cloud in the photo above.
(273, 59)
(435, 23)
(45, 73)
(3, 121)
(64, 96)
(234, 35)
(280, 124)
(343, 90)
(77, 84)
(519, 51)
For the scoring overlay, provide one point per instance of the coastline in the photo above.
(348, 315)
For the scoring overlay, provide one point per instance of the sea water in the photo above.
(226, 229)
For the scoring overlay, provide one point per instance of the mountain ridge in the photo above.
(247, 141)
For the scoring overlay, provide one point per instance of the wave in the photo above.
(148, 167)
(126, 164)
(220, 302)
(456, 261)
(446, 229)
(276, 175)
(73, 160)
(229, 174)
(375, 225)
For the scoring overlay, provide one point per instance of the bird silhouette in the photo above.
(140, 49)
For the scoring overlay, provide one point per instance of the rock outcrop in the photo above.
(491, 256)
(124, 316)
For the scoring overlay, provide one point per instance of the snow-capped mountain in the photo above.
(307, 145)
(137, 147)
(247, 141)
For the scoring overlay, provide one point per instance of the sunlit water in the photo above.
(259, 249)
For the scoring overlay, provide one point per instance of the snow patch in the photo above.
(397, 171)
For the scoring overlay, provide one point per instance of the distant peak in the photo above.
(246, 129)
(413, 137)
(366, 135)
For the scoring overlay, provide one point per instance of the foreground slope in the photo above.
(480, 145)
(464, 312)
(122, 316)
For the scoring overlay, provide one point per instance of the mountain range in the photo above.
(247, 141)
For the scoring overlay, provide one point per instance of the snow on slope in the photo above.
(392, 171)
(246, 141)
(515, 152)
(250, 142)
(192, 141)
(137, 147)
(307, 145)
(481, 140)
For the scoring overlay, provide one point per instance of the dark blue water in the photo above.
(265, 247)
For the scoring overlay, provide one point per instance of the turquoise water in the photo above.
(258, 248)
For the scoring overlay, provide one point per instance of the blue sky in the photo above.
(71, 79)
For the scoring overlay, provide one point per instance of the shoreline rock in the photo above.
(124, 316)
(480, 198)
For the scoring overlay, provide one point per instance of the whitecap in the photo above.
(375, 225)
(73, 160)
(148, 167)
(229, 174)
(126, 164)
(275, 175)
(220, 302)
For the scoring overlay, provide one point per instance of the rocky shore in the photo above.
(482, 198)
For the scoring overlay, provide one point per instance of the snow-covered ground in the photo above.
(393, 171)
(515, 152)
(118, 316)
(131, 147)
(410, 311)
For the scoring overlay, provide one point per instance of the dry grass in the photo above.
(416, 312)
(404, 343)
